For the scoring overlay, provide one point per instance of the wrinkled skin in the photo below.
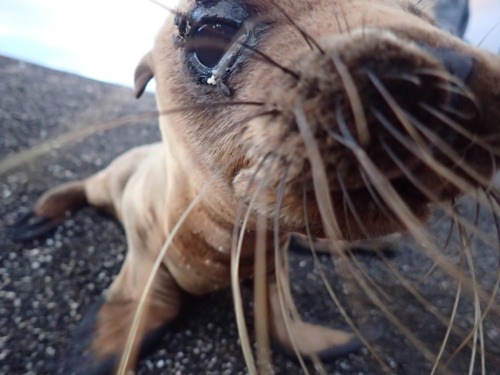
(300, 121)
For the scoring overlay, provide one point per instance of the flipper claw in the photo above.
(31, 226)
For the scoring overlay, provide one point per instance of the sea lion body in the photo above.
(275, 125)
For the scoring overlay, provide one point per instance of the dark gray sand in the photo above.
(46, 286)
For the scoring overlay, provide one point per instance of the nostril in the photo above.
(457, 64)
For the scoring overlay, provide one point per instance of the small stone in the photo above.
(50, 351)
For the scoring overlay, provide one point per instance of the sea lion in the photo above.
(348, 128)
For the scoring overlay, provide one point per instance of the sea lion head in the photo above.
(338, 104)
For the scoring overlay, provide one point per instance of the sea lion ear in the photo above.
(143, 74)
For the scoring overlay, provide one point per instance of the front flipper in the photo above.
(311, 339)
(49, 211)
(99, 343)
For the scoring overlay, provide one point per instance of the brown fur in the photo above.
(149, 189)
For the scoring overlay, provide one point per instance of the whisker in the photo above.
(86, 131)
(354, 100)
(428, 193)
(320, 180)
(407, 218)
(451, 320)
(281, 271)
(272, 62)
(236, 248)
(347, 199)
(495, 290)
(474, 139)
(330, 224)
(311, 42)
(396, 109)
(78, 134)
(478, 322)
(334, 296)
(423, 154)
(398, 275)
(244, 121)
(488, 34)
(161, 5)
(406, 77)
(261, 322)
(374, 195)
(446, 243)
(124, 360)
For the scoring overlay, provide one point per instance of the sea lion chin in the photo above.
(341, 119)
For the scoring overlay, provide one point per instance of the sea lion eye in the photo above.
(211, 41)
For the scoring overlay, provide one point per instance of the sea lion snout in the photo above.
(398, 102)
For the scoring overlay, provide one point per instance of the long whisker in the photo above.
(449, 152)
(334, 296)
(494, 292)
(450, 325)
(236, 248)
(354, 100)
(272, 62)
(374, 195)
(243, 122)
(281, 273)
(406, 216)
(66, 138)
(389, 99)
(261, 321)
(444, 76)
(83, 132)
(161, 5)
(428, 159)
(123, 365)
(320, 183)
(488, 34)
(320, 180)
(474, 139)
(478, 323)
(311, 42)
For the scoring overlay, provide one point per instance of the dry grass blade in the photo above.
(83, 132)
(67, 138)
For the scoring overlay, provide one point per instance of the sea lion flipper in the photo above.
(31, 226)
(102, 338)
(83, 355)
(297, 337)
(49, 211)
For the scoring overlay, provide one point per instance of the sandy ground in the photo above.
(46, 286)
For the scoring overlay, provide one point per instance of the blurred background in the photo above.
(104, 39)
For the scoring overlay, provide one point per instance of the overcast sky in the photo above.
(104, 39)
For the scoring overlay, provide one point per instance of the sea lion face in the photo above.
(327, 103)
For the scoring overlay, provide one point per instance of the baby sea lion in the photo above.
(338, 119)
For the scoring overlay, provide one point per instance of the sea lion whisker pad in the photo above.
(346, 121)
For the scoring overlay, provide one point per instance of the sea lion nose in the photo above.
(457, 64)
